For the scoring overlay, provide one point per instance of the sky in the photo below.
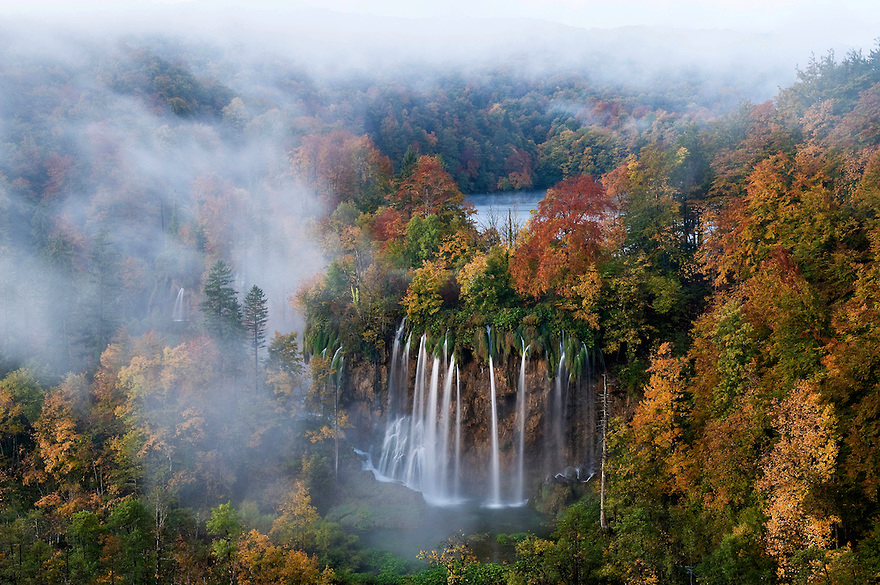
(761, 42)
(823, 24)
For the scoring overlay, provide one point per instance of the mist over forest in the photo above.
(250, 331)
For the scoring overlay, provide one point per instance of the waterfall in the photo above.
(336, 408)
(456, 488)
(396, 375)
(495, 467)
(425, 447)
(416, 447)
(555, 435)
(521, 422)
(589, 415)
(443, 451)
(179, 312)
(416, 438)
(430, 464)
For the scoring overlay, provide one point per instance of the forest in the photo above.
(209, 265)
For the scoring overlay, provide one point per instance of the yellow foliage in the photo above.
(423, 296)
(455, 556)
(802, 459)
(453, 249)
(260, 562)
(468, 274)
(585, 296)
(297, 518)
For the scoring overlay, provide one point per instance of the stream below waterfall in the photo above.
(479, 525)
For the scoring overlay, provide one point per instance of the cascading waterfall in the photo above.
(521, 422)
(457, 480)
(416, 447)
(430, 464)
(555, 436)
(426, 447)
(495, 465)
(589, 416)
(443, 450)
(397, 374)
(416, 441)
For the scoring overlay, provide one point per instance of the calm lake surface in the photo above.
(496, 208)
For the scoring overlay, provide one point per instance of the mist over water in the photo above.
(500, 209)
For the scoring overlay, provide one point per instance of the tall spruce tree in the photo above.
(222, 311)
(256, 316)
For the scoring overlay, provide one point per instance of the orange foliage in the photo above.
(339, 164)
(657, 440)
(430, 189)
(262, 563)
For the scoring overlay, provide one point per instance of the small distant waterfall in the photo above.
(179, 312)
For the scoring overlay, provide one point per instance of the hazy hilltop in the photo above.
(751, 65)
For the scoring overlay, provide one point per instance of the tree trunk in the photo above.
(602, 520)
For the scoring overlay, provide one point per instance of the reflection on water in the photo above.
(498, 209)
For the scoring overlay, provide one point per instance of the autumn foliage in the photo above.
(564, 238)
(719, 266)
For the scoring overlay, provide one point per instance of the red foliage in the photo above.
(389, 225)
(563, 238)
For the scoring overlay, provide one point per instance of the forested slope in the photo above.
(722, 262)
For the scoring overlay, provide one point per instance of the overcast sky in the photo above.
(826, 23)
(838, 19)
(766, 39)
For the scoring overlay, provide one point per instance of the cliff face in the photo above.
(557, 439)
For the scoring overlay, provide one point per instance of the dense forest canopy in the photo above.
(203, 250)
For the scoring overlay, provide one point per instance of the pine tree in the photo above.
(221, 308)
(256, 315)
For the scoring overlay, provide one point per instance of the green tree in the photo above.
(21, 399)
(255, 317)
(130, 524)
(221, 308)
(84, 533)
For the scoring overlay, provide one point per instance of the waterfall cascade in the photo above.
(428, 449)
(495, 469)
(417, 447)
(179, 312)
(521, 424)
